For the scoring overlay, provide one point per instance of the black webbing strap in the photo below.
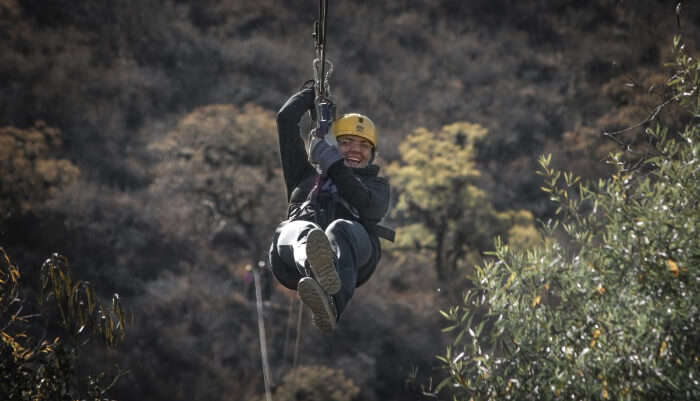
(385, 232)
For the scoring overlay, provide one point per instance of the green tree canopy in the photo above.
(443, 212)
(609, 310)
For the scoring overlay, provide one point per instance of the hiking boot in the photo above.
(322, 261)
(313, 296)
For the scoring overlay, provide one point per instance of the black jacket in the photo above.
(361, 195)
(361, 189)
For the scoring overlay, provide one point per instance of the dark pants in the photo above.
(350, 242)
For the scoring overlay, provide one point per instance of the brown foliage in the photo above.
(637, 94)
(201, 331)
(316, 383)
(114, 76)
(219, 180)
(31, 172)
(32, 367)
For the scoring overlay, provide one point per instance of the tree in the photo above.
(444, 213)
(31, 172)
(32, 367)
(609, 311)
(219, 179)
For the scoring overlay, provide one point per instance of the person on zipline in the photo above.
(329, 244)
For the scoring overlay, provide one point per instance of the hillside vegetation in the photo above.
(137, 137)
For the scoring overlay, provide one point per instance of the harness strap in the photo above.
(312, 201)
(385, 232)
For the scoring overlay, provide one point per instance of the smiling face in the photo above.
(356, 151)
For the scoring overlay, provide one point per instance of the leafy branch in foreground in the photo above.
(77, 304)
(611, 310)
(32, 367)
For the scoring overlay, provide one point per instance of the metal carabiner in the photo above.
(323, 87)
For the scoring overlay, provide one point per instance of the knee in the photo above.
(287, 275)
(342, 227)
(289, 232)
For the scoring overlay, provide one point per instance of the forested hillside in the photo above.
(138, 138)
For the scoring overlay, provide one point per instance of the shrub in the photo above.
(316, 383)
(30, 171)
(33, 368)
(609, 310)
(218, 179)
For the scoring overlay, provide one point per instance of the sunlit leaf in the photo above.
(672, 267)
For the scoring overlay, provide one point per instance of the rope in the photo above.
(298, 340)
(287, 331)
(261, 331)
(296, 344)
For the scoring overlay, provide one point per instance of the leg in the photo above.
(302, 259)
(283, 257)
(353, 250)
(304, 245)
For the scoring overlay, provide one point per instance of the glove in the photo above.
(309, 95)
(323, 155)
(295, 107)
(310, 84)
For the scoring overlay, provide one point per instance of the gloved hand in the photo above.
(322, 154)
(310, 84)
(309, 95)
(295, 107)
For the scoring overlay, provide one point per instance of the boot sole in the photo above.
(313, 296)
(320, 257)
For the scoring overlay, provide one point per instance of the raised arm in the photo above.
(293, 157)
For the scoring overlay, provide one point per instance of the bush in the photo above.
(609, 310)
(33, 368)
(218, 179)
(30, 172)
(316, 383)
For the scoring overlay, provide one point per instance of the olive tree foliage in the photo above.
(33, 367)
(218, 179)
(444, 215)
(611, 311)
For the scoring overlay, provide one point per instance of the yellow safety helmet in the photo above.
(355, 124)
